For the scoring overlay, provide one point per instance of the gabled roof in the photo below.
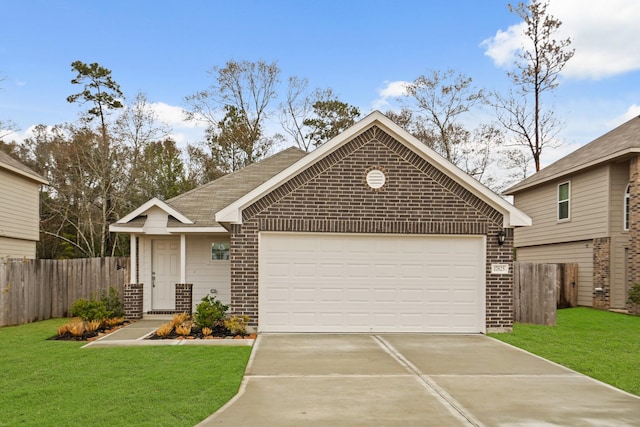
(232, 214)
(9, 163)
(195, 210)
(618, 143)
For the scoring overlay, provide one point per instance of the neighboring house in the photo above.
(19, 208)
(371, 232)
(586, 210)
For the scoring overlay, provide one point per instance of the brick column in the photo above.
(602, 272)
(633, 263)
(133, 300)
(184, 297)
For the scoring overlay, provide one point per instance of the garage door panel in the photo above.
(363, 283)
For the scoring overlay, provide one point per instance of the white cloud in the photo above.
(603, 35)
(183, 131)
(503, 46)
(393, 89)
(632, 111)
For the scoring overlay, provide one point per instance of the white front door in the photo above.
(165, 273)
(371, 283)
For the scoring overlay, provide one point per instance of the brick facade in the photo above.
(601, 272)
(184, 297)
(633, 261)
(332, 196)
(132, 300)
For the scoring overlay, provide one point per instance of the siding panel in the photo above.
(588, 217)
(19, 207)
(206, 274)
(577, 252)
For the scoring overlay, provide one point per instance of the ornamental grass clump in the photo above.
(184, 329)
(165, 329)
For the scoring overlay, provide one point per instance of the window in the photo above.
(219, 251)
(626, 208)
(564, 193)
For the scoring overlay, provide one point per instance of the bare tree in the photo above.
(438, 104)
(240, 97)
(313, 118)
(537, 67)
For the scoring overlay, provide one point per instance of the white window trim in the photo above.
(626, 208)
(568, 200)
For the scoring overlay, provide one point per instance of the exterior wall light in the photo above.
(501, 237)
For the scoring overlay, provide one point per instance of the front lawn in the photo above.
(600, 344)
(56, 383)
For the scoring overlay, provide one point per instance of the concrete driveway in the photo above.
(415, 380)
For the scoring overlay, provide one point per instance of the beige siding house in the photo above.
(19, 208)
(586, 209)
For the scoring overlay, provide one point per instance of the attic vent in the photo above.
(376, 179)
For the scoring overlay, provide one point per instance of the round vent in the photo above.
(376, 178)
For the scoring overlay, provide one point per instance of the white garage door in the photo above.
(312, 282)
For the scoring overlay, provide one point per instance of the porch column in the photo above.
(133, 254)
(183, 258)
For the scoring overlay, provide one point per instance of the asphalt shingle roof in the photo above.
(8, 162)
(621, 141)
(201, 204)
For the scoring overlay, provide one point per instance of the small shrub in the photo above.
(112, 302)
(634, 294)
(210, 312)
(165, 329)
(206, 331)
(237, 325)
(184, 329)
(89, 310)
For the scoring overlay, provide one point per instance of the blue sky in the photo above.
(361, 49)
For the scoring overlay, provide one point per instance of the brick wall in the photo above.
(132, 300)
(184, 297)
(332, 196)
(601, 272)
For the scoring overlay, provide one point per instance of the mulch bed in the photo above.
(88, 336)
(218, 332)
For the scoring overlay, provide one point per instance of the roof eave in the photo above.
(618, 154)
(512, 216)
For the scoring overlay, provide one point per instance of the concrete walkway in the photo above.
(136, 332)
(415, 380)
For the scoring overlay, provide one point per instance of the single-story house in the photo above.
(371, 232)
(19, 208)
(586, 210)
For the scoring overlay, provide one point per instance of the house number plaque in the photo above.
(499, 268)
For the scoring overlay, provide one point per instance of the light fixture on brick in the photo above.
(376, 178)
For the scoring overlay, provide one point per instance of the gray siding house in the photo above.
(19, 208)
(586, 209)
(371, 232)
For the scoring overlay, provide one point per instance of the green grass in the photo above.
(56, 383)
(600, 344)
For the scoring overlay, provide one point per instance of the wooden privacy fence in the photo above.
(40, 289)
(539, 289)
